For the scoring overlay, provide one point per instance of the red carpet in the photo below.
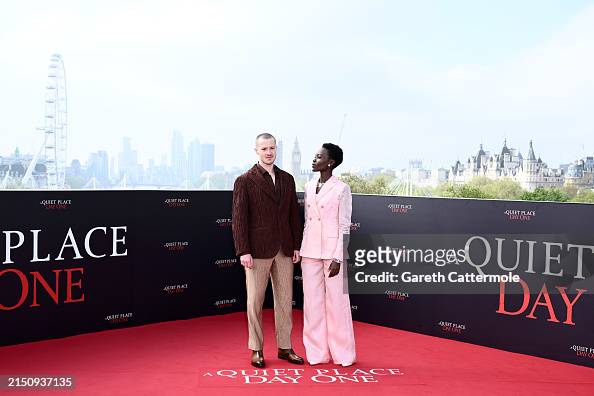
(186, 358)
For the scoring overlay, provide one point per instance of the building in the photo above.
(128, 166)
(279, 154)
(178, 157)
(14, 167)
(416, 175)
(580, 173)
(194, 160)
(530, 172)
(208, 157)
(296, 160)
(98, 167)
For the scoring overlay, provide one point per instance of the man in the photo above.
(267, 231)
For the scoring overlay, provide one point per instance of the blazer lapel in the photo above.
(328, 186)
(257, 178)
(312, 196)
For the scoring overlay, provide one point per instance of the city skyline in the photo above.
(183, 153)
(192, 166)
(415, 81)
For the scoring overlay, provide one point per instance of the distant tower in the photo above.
(296, 160)
(207, 154)
(195, 160)
(128, 161)
(178, 157)
(98, 166)
(55, 137)
(480, 157)
(506, 155)
(531, 155)
(504, 150)
(279, 154)
(531, 162)
(55, 124)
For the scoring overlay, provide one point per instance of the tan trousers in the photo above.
(280, 270)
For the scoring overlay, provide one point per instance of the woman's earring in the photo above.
(328, 164)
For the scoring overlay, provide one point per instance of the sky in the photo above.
(428, 80)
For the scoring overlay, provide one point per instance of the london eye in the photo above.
(55, 136)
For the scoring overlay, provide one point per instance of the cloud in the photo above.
(225, 70)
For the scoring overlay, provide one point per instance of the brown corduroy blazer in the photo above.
(262, 222)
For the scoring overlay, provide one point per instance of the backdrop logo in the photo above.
(301, 202)
(301, 375)
(354, 307)
(394, 295)
(176, 246)
(557, 313)
(119, 318)
(355, 226)
(583, 351)
(227, 303)
(175, 289)
(520, 215)
(226, 263)
(298, 278)
(56, 204)
(450, 327)
(177, 202)
(62, 285)
(398, 208)
(223, 223)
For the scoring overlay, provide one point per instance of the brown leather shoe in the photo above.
(290, 356)
(258, 359)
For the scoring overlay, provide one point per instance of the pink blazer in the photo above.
(327, 219)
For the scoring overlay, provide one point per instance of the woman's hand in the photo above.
(334, 268)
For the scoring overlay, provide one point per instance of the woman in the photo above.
(327, 325)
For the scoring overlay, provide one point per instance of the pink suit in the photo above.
(327, 325)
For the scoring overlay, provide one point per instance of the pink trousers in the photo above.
(327, 322)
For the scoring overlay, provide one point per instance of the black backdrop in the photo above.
(179, 263)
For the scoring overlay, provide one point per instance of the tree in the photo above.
(463, 191)
(300, 185)
(571, 191)
(545, 194)
(379, 185)
(482, 187)
(585, 196)
(467, 191)
(75, 182)
(504, 188)
(356, 183)
(15, 185)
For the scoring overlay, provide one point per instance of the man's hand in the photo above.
(334, 269)
(296, 256)
(247, 261)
